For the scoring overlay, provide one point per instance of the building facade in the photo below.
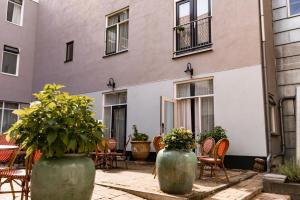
(161, 64)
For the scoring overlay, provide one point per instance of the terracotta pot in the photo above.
(140, 150)
(176, 171)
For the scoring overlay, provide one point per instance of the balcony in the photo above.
(192, 36)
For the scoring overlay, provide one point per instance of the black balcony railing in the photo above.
(192, 36)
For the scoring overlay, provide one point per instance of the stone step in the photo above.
(268, 196)
(245, 190)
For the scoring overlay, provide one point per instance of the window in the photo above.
(7, 118)
(10, 60)
(294, 7)
(14, 11)
(115, 114)
(117, 32)
(69, 51)
(193, 26)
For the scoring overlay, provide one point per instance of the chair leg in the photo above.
(12, 188)
(201, 170)
(23, 190)
(224, 169)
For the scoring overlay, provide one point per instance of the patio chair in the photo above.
(116, 156)
(158, 145)
(101, 153)
(6, 155)
(207, 147)
(217, 160)
(23, 175)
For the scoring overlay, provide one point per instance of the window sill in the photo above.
(14, 75)
(113, 54)
(193, 52)
(19, 25)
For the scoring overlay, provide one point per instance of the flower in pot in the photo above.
(62, 127)
(176, 164)
(140, 147)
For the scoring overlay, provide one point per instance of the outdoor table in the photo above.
(8, 147)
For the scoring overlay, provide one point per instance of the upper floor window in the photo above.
(193, 25)
(14, 11)
(117, 32)
(69, 51)
(10, 60)
(7, 118)
(294, 7)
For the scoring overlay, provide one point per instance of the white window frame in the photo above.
(3, 109)
(18, 61)
(111, 105)
(117, 24)
(22, 11)
(289, 10)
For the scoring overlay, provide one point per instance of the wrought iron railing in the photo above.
(192, 36)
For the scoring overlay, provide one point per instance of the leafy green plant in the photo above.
(179, 139)
(138, 136)
(57, 123)
(292, 170)
(217, 133)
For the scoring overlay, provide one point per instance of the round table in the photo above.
(8, 147)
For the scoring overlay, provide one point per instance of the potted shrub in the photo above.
(217, 133)
(140, 147)
(62, 127)
(176, 164)
(287, 182)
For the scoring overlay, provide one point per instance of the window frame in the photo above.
(71, 43)
(193, 13)
(2, 109)
(289, 10)
(117, 35)
(17, 64)
(21, 14)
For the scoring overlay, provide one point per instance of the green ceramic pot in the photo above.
(176, 171)
(68, 178)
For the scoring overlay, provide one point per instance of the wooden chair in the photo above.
(217, 160)
(158, 145)
(115, 156)
(23, 175)
(207, 147)
(101, 153)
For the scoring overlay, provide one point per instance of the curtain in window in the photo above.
(9, 63)
(184, 114)
(111, 37)
(204, 87)
(113, 20)
(8, 119)
(183, 90)
(107, 122)
(123, 36)
(207, 114)
(115, 98)
(17, 14)
(119, 126)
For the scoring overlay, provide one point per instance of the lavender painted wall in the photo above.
(235, 29)
(19, 88)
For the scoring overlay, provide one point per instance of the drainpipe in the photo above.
(265, 83)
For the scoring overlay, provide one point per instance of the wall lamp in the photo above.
(189, 70)
(111, 83)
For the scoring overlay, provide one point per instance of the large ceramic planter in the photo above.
(176, 171)
(68, 178)
(140, 150)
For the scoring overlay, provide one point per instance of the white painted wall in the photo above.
(239, 108)
(97, 96)
(298, 124)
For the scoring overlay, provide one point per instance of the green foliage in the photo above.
(179, 139)
(139, 136)
(292, 170)
(57, 123)
(217, 133)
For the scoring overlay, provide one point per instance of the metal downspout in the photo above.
(265, 84)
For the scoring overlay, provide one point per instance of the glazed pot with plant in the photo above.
(62, 127)
(140, 146)
(176, 164)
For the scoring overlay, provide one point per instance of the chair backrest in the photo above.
(221, 148)
(37, 155)
(207, 146)
(112, 144)
(103, 146)
(157, 143)
(6, 155)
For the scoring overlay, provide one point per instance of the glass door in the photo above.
(118, 126)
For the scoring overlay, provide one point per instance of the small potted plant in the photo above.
(62, 127)
(176, 164)
(217, 133)
(140, 147)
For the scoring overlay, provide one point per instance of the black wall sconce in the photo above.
(111, 83)
(189, 70)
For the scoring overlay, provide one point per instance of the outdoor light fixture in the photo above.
(189, 70)
(111, 83)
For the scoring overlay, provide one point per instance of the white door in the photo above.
(167, 115)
